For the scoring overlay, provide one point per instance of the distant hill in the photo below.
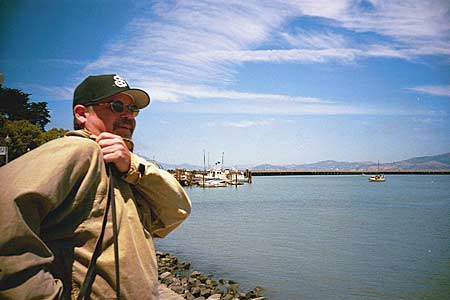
(167, 166)
(436, 162)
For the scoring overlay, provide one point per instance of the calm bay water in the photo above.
(323, 237)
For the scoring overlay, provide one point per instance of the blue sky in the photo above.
(277, 82)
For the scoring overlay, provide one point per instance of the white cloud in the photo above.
(63, 61)
(191, 50)
(250, 123)
(435, 90)
(203, 41)
(55, 92)
(246, 124)
(171, 92)
(406, 20)
(308, 39)
(294, 109)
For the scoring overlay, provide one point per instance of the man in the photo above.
(54, 200)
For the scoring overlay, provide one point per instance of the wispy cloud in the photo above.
(63, 61)
(435, 90)
(54, 93)
(246, 124)
(343, 55)
(171, 92)
(250, 123)
(295, 109)
(408, 21)
(309, 39)
(201, 41)
(193, 49)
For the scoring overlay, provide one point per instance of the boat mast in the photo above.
(204, 160)
(223, 153)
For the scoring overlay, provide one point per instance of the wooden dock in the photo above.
(338, 172)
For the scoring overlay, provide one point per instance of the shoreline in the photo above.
(193, 285)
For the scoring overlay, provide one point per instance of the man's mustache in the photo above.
(125, 122)
(121, 122)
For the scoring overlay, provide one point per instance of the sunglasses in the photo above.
(118, 107)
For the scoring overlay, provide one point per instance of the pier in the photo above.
(342, 172)
(197, 177)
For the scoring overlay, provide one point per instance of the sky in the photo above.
(278, 82)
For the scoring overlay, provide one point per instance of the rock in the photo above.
(197, 286)
(195, 274)
(227, 297)
(195, 291)
(211, 282)
(165, 275)
(205, 292)
(178, 289)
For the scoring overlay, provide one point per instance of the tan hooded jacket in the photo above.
(52, 202)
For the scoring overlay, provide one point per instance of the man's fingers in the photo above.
(114, 150)
(106, 140)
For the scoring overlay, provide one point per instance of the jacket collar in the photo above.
(87, 134)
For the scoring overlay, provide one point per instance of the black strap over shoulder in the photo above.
(86, 287)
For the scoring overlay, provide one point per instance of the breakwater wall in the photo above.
(193, 285)
(342, 172)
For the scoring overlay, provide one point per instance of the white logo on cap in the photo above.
(119, 82)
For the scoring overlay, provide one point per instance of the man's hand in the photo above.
(114, 151)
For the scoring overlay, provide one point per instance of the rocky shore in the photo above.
(193, 285)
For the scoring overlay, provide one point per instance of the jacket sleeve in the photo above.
(165, 197)
(33, 186)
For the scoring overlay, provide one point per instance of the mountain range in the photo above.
(436, 162)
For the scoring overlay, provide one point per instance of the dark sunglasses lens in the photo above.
(117, 106)
(134, 111)
(133, 108)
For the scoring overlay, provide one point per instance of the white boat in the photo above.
(213, 183)
(377, 178)
(238, 178)
(216, 174)
(216, 177)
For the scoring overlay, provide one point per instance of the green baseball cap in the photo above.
(96, 88)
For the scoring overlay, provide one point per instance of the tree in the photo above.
(24, 136)
(52, 134)
(15, 105)
(23, 122)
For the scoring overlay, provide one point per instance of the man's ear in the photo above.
(79, 112)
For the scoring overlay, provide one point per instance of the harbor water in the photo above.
(323, 237)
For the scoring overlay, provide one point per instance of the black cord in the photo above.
(111, 170)
(85, 289)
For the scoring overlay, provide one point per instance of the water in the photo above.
(323, 237)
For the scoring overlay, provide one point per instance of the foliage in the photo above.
(52, 134)
(23, 123)
(24, 136)
(15, 105)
